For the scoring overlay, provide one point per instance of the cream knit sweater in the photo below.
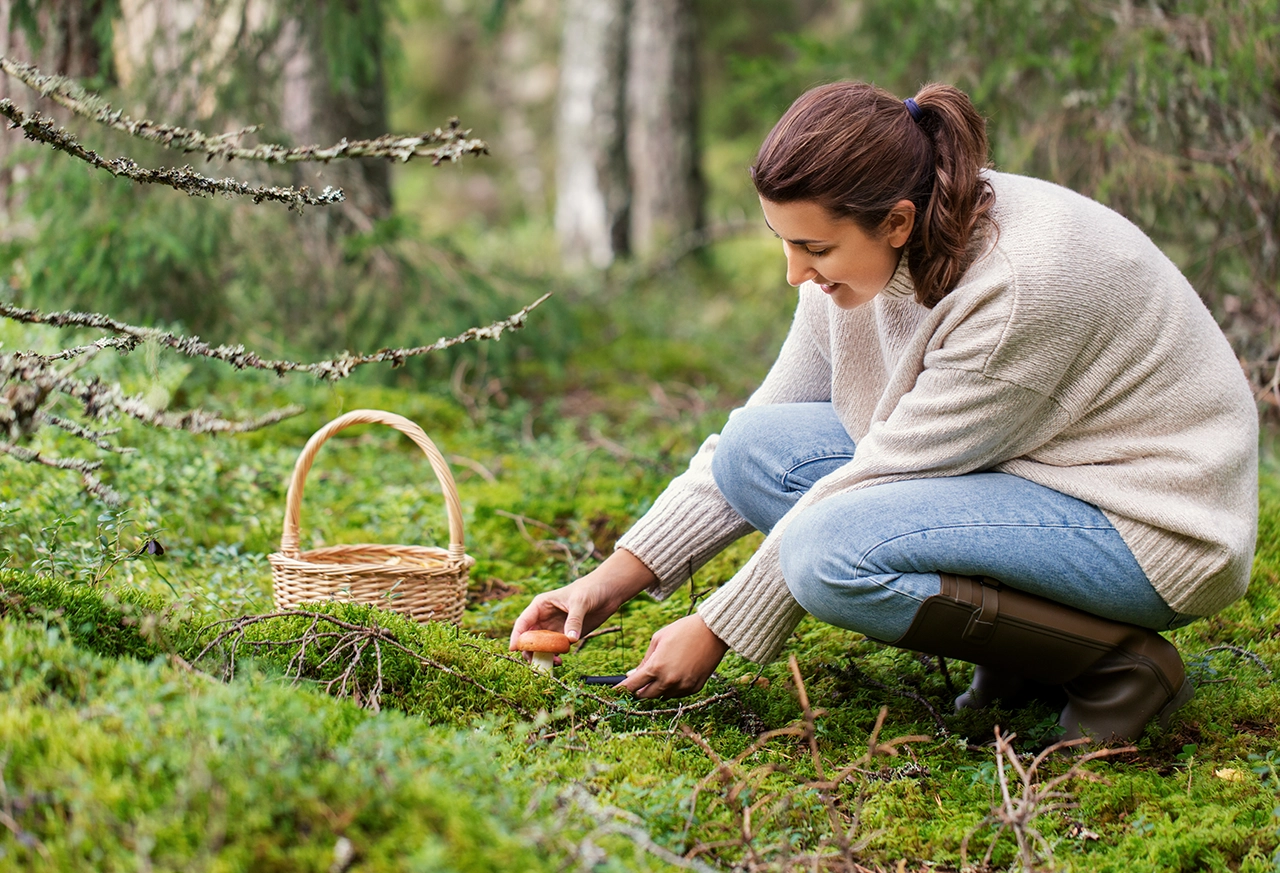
(1072, 353)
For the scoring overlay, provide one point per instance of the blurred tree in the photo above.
(313, 71)
(592, 195)
(628, 178)
(662, 124)
(66, 36)
(523, 85)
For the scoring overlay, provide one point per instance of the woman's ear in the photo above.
(899, 223)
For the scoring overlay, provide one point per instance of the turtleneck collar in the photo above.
(900, 284)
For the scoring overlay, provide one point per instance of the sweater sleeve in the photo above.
(691, 522)
(952, 422)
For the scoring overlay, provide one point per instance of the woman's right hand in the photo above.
(583, 605)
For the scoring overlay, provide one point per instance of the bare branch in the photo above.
(35, 127)
(97, 437)
(92, 483)
(353, 638)
(1019, 809)
(450, 143)
(129, 336)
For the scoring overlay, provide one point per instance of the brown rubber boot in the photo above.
(1117, 676)
(1014, 690)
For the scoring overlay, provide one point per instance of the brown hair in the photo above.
(856, 150)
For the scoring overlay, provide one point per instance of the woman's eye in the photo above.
(818, 253)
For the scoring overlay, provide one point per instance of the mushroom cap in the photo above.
(543, 641)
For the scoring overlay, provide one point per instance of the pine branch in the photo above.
(448, 144)
(129, 336)
(185, 179)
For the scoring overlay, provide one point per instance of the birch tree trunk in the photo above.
(591, 171)
(662, 115)
(523, 83)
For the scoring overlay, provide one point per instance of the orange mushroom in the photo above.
(545, 645)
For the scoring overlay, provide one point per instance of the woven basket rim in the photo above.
(289, 535)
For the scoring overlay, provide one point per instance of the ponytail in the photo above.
(960, 199)
(857, 150)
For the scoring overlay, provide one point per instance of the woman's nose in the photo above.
(799, 270)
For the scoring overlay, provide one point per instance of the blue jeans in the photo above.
(867, 559)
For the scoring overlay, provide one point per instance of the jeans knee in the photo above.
(733, 454)
(810, 566)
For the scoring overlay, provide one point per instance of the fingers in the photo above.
(573, 622)
(680, 659)
(543, 612)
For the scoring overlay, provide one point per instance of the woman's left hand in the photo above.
(681, 658)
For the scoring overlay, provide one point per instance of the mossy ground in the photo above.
(122, 751)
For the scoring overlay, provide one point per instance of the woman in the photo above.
(1003, 428)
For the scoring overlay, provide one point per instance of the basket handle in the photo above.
(293, 502)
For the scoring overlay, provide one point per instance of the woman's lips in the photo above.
(827, 289)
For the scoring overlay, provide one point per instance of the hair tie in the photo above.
(914, 109)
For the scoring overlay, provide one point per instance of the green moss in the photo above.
(113, 745)
(147, 763)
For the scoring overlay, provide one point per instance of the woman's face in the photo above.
(848, 264)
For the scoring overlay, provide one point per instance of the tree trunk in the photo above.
(63, 42)
(523, 83)
(316, 109)
(591, 172)
(182, 56)
(662, 113)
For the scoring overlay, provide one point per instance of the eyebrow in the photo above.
(796, 242)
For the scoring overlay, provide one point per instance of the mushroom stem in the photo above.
(543, 661)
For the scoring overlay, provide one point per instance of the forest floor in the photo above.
(143, 728)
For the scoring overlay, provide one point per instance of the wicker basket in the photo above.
(422, 582)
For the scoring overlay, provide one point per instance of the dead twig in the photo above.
(1020, 806)
(1239, 653)
(348, 647)
(611, 820)
(751, 805)
(859, 676)
(598, 632)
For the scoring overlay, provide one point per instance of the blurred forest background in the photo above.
(620, 132)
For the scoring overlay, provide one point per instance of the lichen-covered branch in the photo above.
(97, 437)
(450, 143)
(30, 381)
(35, 127)
(92, 483)
(127, 337)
